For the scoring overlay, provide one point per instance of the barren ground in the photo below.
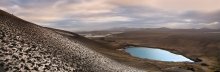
(202, 46)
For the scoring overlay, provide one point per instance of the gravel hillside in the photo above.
(27, 47)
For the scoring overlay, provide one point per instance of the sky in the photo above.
(85, 15)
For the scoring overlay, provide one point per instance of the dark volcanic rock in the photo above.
(28, 47)
(204, 64)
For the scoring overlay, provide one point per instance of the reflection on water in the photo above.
(156, 54)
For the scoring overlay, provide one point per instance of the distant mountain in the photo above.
(164, 29)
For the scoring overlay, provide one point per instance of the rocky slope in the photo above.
(25, 46)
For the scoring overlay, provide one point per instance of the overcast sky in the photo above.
(77, 15)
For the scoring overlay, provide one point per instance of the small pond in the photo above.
(156, 54)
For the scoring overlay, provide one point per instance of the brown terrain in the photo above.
(200, 45)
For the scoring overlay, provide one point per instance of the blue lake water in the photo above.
(156, 54)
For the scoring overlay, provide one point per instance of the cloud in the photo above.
(212, 25)
(83, 7)
(105, 19)
(90, 14)
(174, 5)
(188, 5)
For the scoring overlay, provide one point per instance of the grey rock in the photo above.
(27, 47)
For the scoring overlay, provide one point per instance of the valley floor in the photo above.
(202, 47)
